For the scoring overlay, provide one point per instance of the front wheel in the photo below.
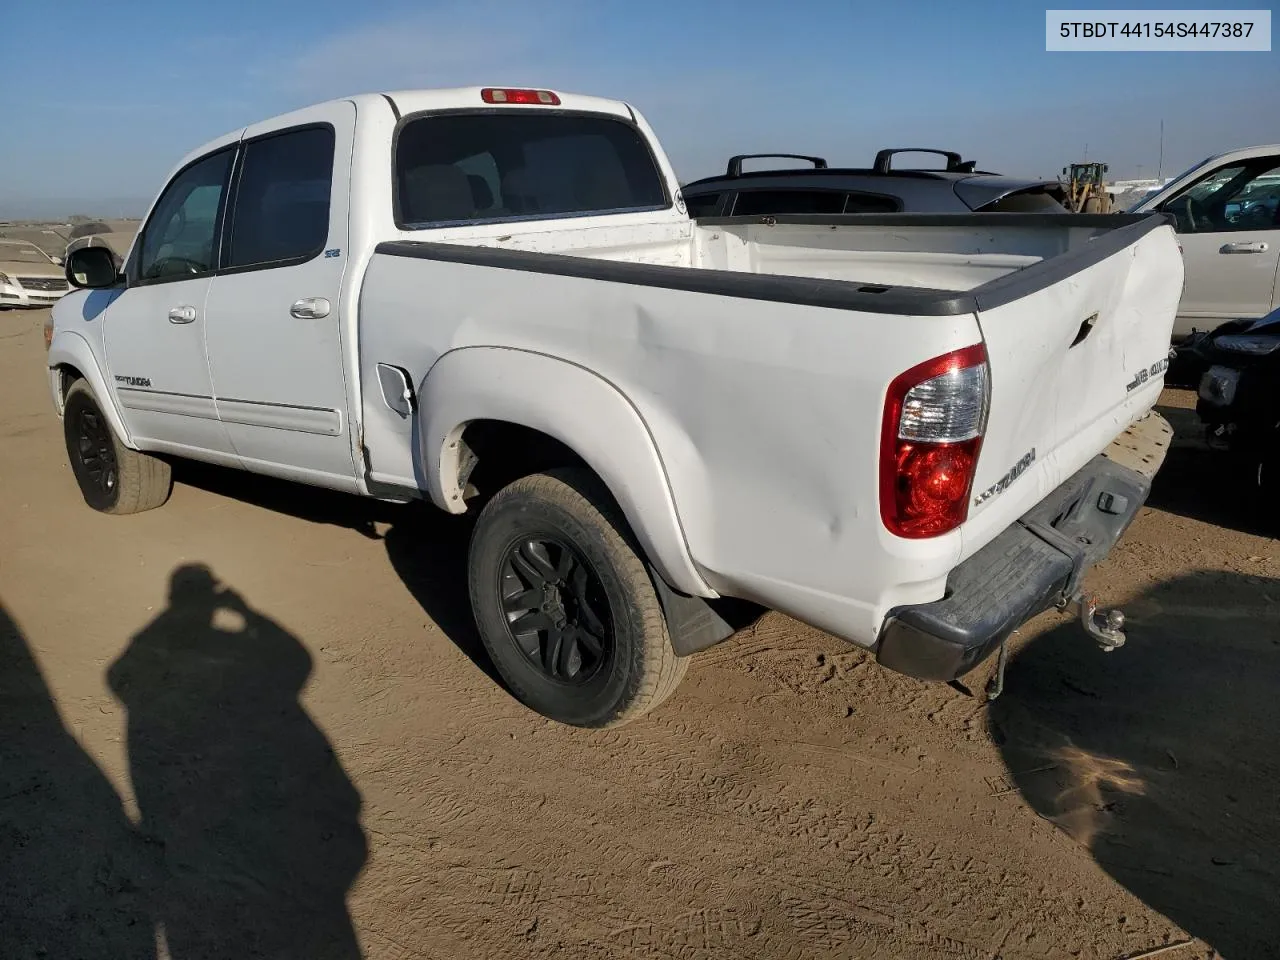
(112, 478)
(565, 605)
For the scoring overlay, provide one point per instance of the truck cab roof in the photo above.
(409, 101)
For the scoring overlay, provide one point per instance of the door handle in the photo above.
(1253, 246)
(312, 308)
(182, 314)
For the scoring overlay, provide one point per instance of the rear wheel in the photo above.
(565, 605)
(112, 478)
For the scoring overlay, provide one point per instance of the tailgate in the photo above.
(1078, 345)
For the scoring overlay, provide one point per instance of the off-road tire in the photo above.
(572, 507)
(139, 482)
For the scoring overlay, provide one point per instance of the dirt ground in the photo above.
(257, 723)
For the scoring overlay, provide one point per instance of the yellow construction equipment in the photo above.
(1085, 190)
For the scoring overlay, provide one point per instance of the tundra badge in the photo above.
(1017, 470)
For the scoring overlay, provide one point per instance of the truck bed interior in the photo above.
(907, 263)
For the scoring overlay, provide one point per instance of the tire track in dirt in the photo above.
(672, 771)
(768, 842)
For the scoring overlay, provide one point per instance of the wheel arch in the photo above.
(576, 409)
(71, 358)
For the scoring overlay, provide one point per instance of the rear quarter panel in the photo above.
(767, 415)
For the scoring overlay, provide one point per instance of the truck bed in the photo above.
(893, 263)
(760, 384)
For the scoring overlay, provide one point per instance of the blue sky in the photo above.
(109, 96)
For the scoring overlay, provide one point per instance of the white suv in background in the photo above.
(1227, 210)
(29, 277)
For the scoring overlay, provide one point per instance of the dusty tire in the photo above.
(1093, 205)
(565, 605)
(112, 478)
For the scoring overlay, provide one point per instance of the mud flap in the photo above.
(692, 623)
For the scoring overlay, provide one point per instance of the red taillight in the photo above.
(543, 97)
(934, 418)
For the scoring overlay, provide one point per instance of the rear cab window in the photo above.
(482, 167)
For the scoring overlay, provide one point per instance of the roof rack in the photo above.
(884, 159)
(735, 163)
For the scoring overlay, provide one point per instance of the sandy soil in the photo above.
(306, 757)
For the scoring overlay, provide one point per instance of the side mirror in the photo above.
(92, 268)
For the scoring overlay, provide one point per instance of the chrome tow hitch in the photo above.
(1105, 626)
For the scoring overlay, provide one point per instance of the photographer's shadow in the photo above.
(69, 859)
(251, 822)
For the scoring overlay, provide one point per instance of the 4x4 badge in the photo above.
(1142, 376)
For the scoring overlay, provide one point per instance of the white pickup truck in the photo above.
(914, 432)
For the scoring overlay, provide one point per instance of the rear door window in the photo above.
(753, 203)
(704, 206)
(473, 168)
(761, 202)
(872, 203)
(1026, 201)
(281, 213)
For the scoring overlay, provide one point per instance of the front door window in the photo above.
(1243, 196)
(179, 242)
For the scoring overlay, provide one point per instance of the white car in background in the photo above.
(29, 277)
(1227, 213)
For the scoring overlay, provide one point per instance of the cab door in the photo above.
(154, 331)
(1228, 223)
(274, 330)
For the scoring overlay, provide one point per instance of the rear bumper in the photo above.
(1035, 564)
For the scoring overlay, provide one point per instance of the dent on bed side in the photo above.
(576, 408)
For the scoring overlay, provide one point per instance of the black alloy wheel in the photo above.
(112, 477)
(556, 609)
(565, 604)
(96, 451)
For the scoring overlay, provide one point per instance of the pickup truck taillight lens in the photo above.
(934, 417)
